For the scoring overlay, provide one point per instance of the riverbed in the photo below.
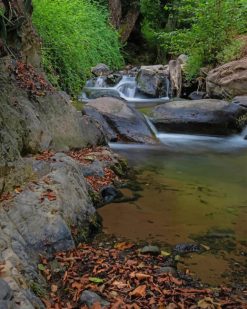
(192, 189)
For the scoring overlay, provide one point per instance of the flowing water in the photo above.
(125, 89)
(192, 189)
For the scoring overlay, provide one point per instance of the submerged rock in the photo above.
(228, 80)
(206, 116)
(187, 248)
(90, 298)
(110, 193)
(119, 121)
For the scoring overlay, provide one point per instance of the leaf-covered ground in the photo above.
(126, 279)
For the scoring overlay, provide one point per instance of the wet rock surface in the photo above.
(126, 123)
(206, 116)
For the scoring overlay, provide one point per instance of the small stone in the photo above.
(154, 250)
(197, 95)
(5, 291)
(101, 69)
(187, 248)
(167, 270)
(90, 298)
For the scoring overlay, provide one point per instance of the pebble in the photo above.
(150, 249)
(90, 298)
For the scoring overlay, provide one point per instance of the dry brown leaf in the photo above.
(54, 288)
(120, 285)
(123, 245)
(140, 291)
(141, 276)
(96, 306)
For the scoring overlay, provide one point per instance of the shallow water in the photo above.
(191, 190)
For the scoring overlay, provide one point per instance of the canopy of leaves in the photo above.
(76, 36)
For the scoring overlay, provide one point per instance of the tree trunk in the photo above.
(125, 24)
(115, 8)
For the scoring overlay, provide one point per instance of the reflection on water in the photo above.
(187, 197)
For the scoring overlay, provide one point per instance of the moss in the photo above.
(38, 289)
(78, 105)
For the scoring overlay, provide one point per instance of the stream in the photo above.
(187, 197)
(192, 189)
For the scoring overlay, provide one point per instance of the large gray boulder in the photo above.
(29, 124)
(153, 81)
(39, 220)
(228, 80)
(44, 212)
(207, 116)
(119, 121)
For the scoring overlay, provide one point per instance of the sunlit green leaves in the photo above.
(76, 36)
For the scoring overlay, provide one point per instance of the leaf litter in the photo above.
(127, 280)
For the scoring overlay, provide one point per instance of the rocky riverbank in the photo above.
(50, 208)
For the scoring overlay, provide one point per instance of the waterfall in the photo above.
(127, 87)
(100, 82)
(151, 126)
(244, 132)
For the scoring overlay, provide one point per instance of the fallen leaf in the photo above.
(123, 246)
(120, 285)
(139, 276)
(41, 267)
(140, 291)
(165, 253)
(96, 306)
(96, 280)
(54, 288)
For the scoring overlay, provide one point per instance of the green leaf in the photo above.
(164, 253)
(96, 280)
(41, 267)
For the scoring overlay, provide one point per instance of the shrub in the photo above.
(76, 36)
(207, 31)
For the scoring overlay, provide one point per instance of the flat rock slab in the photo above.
(208, 116)
(119, 121)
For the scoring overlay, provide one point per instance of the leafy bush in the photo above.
(76, 36)
(206, 31)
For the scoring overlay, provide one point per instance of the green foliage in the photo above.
(205, 30)
(231, 51)
(76, 36)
